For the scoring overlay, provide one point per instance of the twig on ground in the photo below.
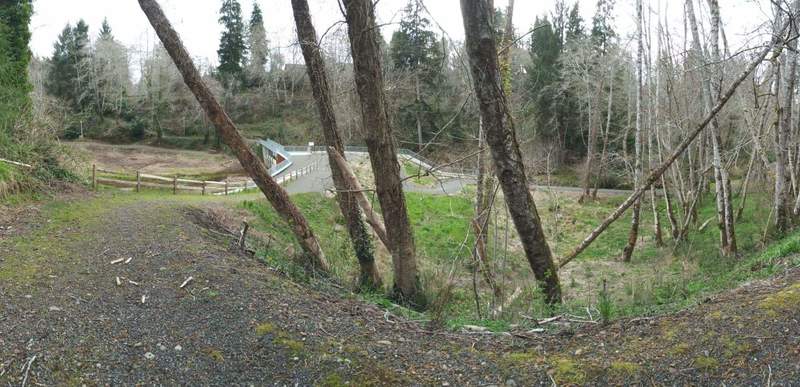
(186, 282)
(27, 370)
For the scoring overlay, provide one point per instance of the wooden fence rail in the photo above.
(139, 180)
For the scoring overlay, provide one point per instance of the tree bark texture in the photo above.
(482, 51)
(369, 278)
(365, 47)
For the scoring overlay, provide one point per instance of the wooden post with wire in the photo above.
(94, 177)
(175, 185)
(138, 181)
(226, 186)
(203, 192)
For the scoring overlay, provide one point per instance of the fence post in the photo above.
(94, 177)
(175, 185)
(226, 187)
(204, 188)
(138, 180)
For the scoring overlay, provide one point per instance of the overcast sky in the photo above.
(196, 20)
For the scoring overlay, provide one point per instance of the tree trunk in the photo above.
(417, 111)
(627, 253)
(314, 259)
(369, 278)
(604, 151)
(500, 135)
(364, 42)
(783, 132)
(590, 149)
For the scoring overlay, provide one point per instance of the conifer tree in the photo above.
(232, 48)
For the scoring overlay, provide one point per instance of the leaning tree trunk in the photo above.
(633, 235)
(369, 278)
(501, 137)
(366, 52)
(277, 196)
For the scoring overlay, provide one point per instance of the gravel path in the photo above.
(66, 320)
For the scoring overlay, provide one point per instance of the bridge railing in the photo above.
(406, 153)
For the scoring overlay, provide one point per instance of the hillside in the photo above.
(64, 319)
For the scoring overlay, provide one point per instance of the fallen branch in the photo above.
(17, 163)
(27, 370)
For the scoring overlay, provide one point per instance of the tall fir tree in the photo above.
(69, 73)
(552, 105)
(232, 48)
(415, 50)
(59, 77)
(258, 45)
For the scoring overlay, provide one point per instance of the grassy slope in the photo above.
(660, 278)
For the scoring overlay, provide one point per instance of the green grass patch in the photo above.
(658, 280)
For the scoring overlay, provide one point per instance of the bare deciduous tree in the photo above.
(314, 258)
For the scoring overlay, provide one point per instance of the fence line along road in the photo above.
(139, 180)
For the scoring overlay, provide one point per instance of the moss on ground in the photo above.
(782, 301)
(567, 371)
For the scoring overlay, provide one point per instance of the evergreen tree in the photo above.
(105, 31)
(553, 107)
(574, 28)
(415, 50)
(258, 44)
(79, 53)
(15, 56)
(602, 28)
(110, 73)
(60, 77)
(232, 48)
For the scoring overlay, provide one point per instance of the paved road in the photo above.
(319, 179)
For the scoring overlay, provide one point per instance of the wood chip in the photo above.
(119, 282)
(186, 282)
(127, 261)
(144, 298)
(133, 282)
(116, 261)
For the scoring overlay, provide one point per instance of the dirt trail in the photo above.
(65, 320)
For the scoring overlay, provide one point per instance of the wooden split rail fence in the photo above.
(140, 180)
